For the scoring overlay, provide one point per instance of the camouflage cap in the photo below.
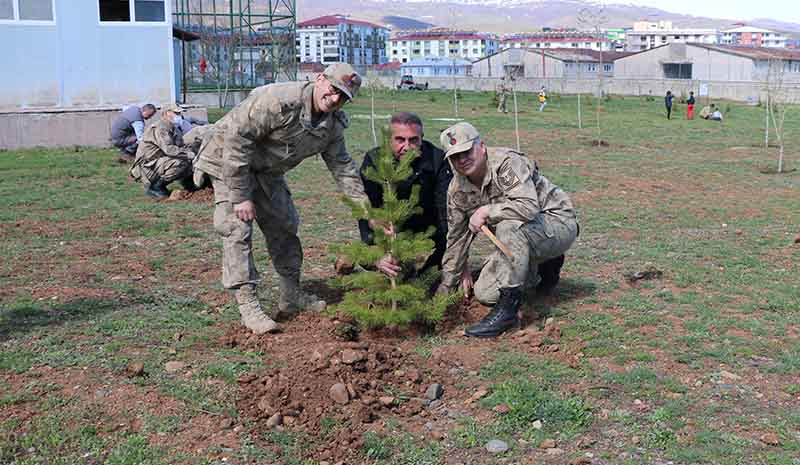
(458, 138)
(344, 78)
(173, 107)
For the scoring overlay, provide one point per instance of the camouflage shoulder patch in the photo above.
(507, 179)
(342, 118)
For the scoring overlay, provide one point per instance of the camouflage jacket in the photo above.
(512, 188)
(270, 133)
(160, 140)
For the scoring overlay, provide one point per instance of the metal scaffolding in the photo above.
(243, 43)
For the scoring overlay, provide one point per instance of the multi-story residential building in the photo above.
(748, 36)
(440, 42)
(646, 35)
(335, 38)
(556, 39)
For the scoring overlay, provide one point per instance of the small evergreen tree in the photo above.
(373, 298)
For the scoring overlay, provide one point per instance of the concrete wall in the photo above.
(78, 62)
(533, 64)
(707, 65)
(58, 128)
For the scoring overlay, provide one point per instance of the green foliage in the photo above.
(374, 299)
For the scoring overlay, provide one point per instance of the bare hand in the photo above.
(245, 211)
(375, 224)
(478, 219)
(388, 266)
(466, 282)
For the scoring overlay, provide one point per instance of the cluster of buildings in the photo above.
(332, 38)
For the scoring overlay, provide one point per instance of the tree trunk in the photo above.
(516, 118)
(372, 115)
(580, 123)
(766, 123)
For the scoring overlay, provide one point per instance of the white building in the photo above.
(556, 39)
(646, 35)
(444, 43)
(749, 36)
(437, 67)
(336, 38)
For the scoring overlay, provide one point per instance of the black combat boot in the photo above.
(550, 272)
(188, 184)
(502, 317)
(157, 190)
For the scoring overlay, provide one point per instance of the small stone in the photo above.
(275, 420)
(479, 394)
(226, 423)
(428, 426)
(351, 391)
(350, 356)
(434, 391)
(729, 375)
(455, 371)
(636, 440)
(555, 451)
(581, 461)
(547, 444)
(172, 367)
(265, 405)
(367, 400)
(797, 239)
(288, 420)
(770, 438)
(739, 232)
(549, 322)
(386, 401)
(502, 409)
(496, 446)
(414, 376)
(134, 369)
(436, 435)
(339, 394)
(537, 424)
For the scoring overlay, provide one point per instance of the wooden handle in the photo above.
(485, 229)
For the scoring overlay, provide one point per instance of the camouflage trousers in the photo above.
(276, 217)
(530, 243)
(501, 105)
(167, 168)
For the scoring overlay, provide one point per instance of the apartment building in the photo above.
(444, 43)
(338, 38)
(748, 36)
(646, 35)
(556, 39)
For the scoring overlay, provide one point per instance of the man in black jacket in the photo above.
(431, 172)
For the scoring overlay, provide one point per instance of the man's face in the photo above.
(472, 162)
(405, 137)
(327, 98)
(147, 113)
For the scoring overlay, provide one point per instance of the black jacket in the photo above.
(432, 173)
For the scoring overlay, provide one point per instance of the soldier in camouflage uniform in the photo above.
(160, 159)
(246, 156)
(502, 189)
(502, 95)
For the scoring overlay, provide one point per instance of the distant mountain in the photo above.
(506, 16)
(401, 22)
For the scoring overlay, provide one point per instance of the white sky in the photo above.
(782, 10)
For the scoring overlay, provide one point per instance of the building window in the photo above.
(677, 70)
(142, 11)
(27, 10)
(607, 67)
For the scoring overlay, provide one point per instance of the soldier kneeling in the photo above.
(160, 159)
(502, 189)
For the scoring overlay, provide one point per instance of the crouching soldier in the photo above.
(502, 189)
(159, 159)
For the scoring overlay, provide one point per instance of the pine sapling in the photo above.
(374, 299)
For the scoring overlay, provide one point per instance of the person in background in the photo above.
(690, 106)
(542, 99)
(668, 103)
(707, 110)
(716, 115)
(128, 128)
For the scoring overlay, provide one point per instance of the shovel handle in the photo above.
(485, 229)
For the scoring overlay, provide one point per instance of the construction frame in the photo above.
(242, 43)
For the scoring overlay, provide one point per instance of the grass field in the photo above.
(698, 366)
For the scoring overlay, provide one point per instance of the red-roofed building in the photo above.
(556, 39)
(440, 43)
(335, 38)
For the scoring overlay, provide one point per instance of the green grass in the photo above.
(95, 276)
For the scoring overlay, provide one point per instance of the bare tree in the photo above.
(595, 17)
(780, 98)
(374, 85)
(221, 61)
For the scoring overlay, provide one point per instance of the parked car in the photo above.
(407, 83)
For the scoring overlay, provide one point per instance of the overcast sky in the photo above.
(782, 10)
